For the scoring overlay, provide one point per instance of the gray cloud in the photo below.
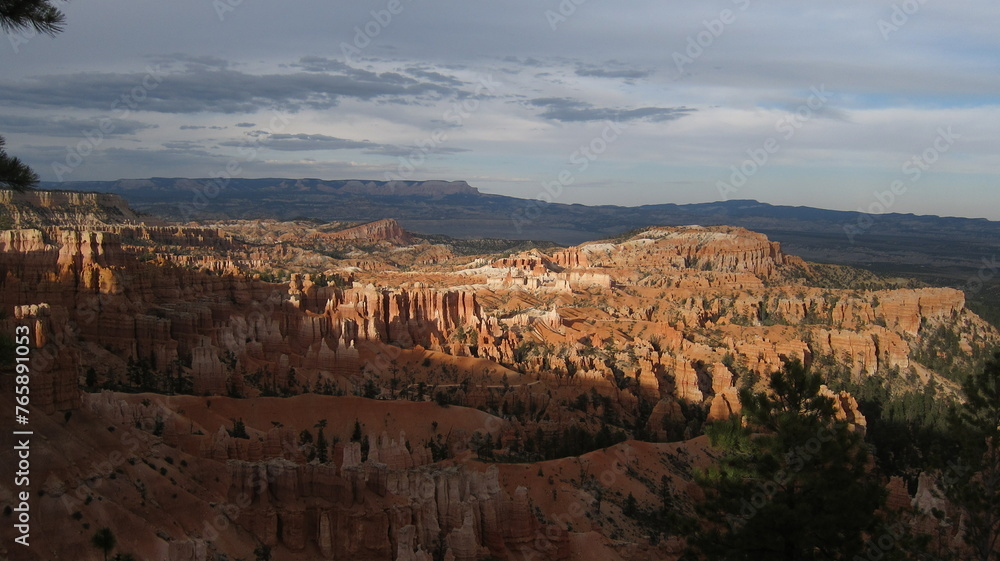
(191, 63)
(529, 61)
(612, 70)
(70, 126)
(571, 110)
(200, 127)
(296, 142)
(283, 142)
(197, 90)
(403, 151)
(321, 64)
(436, 77)
(146, 161)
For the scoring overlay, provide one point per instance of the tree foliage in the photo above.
(973, 483)
(792, 481)
(22, 15)
(15, 174)
(104, 539)
(39, 15)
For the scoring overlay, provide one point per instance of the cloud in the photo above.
(321, 64)
(403, 151)
(210, 89)
(199, 127)
(70, 126)
(149, 161)
(191, 63)
(612, 70)
(435, 77)
(301, 141)
(568, 110)
(529, 61)
(245, 125)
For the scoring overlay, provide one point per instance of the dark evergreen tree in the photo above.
(239, 429)
(321, 447)
(15, 174)
(22, 15)
(305, 437)
(321, 443)
(792, 482)
(262, 553)
(104, 539)
(972, 483)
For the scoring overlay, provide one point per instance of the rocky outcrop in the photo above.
(53, 356)
(344, 519)
(387, 230)
(906, 310)
(724, 249)
(42, 208)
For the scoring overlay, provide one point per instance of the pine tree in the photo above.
(15, 174)
(321, 443)
(792, 482)
(21, 15)
(973, 482)
(321, 448)
(262, 553)
(104, 539)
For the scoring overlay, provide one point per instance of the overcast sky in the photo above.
(588, 101)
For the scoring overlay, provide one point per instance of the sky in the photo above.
(871, 105)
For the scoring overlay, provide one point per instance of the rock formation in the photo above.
(438, 359)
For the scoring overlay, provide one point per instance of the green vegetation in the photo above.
(141, 377)
(104, 539)
(262, 553)
(549, 445)
(823, 275)
(973, 482)
(907, 421)
(792, 483)
(984, 301)
(28, 15)
(941, 351)
(239, 429)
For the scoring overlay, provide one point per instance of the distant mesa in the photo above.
(142, 188)
(387, 230)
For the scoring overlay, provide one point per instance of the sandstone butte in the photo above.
(454, 354)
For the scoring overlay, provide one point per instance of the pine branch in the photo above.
(15, 174)
(21, 15)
